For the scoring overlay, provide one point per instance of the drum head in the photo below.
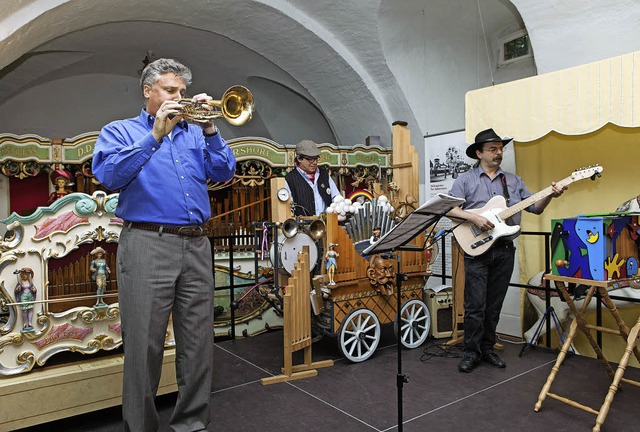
(290, 248)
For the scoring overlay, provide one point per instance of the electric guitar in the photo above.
(475, 242)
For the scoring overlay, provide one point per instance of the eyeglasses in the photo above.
(494, 149)
(310, 159)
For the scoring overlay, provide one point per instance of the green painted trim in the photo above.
(259, 151)
(80, 152)
(368, 158)
(24, 152)
(80, 148)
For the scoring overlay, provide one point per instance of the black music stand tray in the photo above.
(396, 239)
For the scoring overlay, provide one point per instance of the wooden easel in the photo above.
(580, 324)
(297, 325)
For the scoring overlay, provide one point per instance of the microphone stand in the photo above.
(398, 240)
(402, 378)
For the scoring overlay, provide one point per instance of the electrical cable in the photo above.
(440, 350)
(486, 46)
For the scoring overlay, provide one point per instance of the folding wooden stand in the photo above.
(297, 324)
(630, 336)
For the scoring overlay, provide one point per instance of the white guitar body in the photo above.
(476, 242)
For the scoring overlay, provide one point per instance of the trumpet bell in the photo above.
(290, 228)
(317, 229)
(237, 105)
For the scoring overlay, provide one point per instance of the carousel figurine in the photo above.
(25, 294)
(331, 262)
(61, 180)
(100, 269)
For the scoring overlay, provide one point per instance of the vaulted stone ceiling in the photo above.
(327, 69)
(324, 58)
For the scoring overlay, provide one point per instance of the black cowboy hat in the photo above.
(485, 136)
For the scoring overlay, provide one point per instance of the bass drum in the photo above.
(289, 251)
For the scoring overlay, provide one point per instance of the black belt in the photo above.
(184, 231)
(503, 242)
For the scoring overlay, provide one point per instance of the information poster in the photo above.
(446, 159)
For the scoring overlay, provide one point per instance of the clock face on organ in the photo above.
(283, 194)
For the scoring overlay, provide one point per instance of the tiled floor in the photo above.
(364, 396)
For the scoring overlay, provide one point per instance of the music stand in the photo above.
(397, 238)
(425, 216)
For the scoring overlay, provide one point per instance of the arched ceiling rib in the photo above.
(339, 80)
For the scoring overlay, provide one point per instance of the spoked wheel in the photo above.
(359, 335)
(415, 323)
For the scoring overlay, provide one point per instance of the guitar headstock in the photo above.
(590, 171)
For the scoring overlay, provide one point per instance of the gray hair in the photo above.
(153, 70)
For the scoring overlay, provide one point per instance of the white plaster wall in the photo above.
(573, 32)
(438, 52)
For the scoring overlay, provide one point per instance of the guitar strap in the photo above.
(505, 191)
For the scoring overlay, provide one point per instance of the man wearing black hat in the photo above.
(312, 190)
(487, 276)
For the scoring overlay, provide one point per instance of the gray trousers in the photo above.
(159, 275)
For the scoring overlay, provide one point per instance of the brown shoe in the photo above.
(493, 359)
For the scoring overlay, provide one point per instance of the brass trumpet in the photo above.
(236, 107)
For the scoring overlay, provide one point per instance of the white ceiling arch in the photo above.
(352, 88)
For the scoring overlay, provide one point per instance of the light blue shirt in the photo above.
(166, 182)
(477, 189)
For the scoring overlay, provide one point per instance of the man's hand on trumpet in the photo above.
(167, 117)
(202, 98)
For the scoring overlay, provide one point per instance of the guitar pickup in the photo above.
(476, 231)
(481, 242)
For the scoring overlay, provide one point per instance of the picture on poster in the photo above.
(446, 158)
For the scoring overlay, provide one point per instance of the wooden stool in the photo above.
(631, 337)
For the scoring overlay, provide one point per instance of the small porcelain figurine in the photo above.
(100, 269)
(375, 235)
(61, 180)
(331, 262)
(25, 294)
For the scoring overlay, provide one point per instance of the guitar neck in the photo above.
(517, 208)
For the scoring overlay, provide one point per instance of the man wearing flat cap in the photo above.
(311, 188)
(487, 275)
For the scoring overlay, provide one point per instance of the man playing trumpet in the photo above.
(160, 164)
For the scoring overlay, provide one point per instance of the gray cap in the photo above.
(307, 148)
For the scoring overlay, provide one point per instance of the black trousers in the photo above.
(487, 278)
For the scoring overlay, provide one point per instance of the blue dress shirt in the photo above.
(161, 182)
